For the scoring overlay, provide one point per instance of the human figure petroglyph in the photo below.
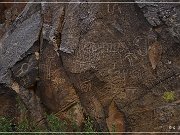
(47, 66)
(26, 66)
(22, 69)
(55, 77)
(129, 57)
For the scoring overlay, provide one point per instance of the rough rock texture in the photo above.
(111, 61)
(8, 102)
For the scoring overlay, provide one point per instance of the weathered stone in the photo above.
(56, 91)
(18, 40)
(8, 102)
(19, 66)
(162, 14)
(115, 120)
(25, 72)
(111, 61)
(8, 13)
(59, 96)
(77, 58)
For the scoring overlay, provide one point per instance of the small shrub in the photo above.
(23, 126)
(56, 125)
(113, 128)
(88, 126)
(169, 96)
(75, 127)
(5, 125)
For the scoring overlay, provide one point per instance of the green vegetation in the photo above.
(54, 125)
(53, 122)
(169, 96)
(5, 125)
(113, 128)
(88, 126)
(23, 126)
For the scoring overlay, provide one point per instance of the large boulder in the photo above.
(118, 63)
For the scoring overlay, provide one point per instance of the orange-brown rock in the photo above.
(115, 120)
(63, 57)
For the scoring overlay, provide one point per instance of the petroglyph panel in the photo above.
(115, 46)
(90, 54)
(15, 44)
(55, 89)
(96, 54)
(26, 71)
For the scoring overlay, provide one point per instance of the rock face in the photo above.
(8, 102)
(111, 61)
